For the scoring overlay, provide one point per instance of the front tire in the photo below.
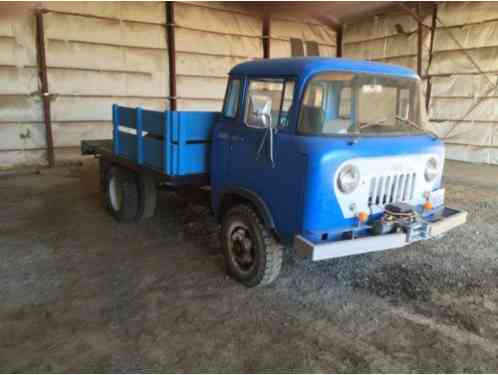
(252, 254)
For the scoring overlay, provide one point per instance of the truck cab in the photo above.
(333, 156)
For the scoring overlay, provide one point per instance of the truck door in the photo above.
(250, 165)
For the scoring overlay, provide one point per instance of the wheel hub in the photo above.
(241, 248)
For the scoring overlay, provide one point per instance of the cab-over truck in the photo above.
(332, 157)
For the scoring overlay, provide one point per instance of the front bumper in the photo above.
(423, 230)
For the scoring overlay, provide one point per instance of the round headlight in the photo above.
(348, 178)
(431, 169)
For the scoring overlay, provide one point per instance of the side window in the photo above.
(287, 102)
(231, 106)
(314, 96)
(263, 97)
(345, 103)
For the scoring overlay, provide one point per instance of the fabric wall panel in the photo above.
(209, 19)
(449, 108)
(76, 109)
(460, 13)
(96, 30)
(200, 105)
(152, 12)
(378, 27)
(202, 87)
(286, 29)
(205, 65)
(70, 135)
(22, 136)
(218, 44)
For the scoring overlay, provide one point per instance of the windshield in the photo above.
(347, 103)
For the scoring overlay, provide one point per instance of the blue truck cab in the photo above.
(332, 157)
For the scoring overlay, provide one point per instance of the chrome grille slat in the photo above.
(391, 189)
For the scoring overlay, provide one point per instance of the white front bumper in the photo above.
(336, 249)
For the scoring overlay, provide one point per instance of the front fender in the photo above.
(251, 197)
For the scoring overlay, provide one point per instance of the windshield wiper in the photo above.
(415, 125)
(364, 125)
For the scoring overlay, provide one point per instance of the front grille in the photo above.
(390, 189)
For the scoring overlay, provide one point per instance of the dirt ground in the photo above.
(81, 292)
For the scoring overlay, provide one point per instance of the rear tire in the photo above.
(147, 196)
(253, 256)
(121, 194)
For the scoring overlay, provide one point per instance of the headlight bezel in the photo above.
(432, 169)
(347, 187)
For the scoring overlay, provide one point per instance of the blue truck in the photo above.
(329, 156)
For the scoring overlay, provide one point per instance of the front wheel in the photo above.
(253, 256)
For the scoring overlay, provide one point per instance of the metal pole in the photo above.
(266, 36)
(420, 37)
(42, 70)
(428, 93)
(339, 42)
(170, 34)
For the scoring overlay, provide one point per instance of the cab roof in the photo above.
(305, 66)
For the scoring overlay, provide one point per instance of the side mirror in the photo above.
(261, 106)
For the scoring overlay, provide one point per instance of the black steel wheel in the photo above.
(252, 254)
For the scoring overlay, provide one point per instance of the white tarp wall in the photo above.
(210, 39)
(97, 54)
(283, 29)
(464, 100)
(22, 134)
(463, 107)
(377, 39)
(100, 53)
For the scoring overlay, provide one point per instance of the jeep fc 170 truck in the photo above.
(329, 156)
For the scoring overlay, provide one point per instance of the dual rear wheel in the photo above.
(129, 196)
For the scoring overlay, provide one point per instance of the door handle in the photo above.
(237, 138)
